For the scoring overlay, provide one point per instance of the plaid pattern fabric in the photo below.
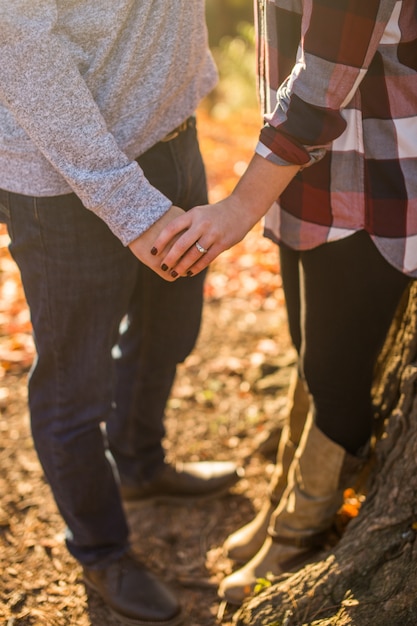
(338, 86)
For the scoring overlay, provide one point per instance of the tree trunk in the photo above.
(370, 577)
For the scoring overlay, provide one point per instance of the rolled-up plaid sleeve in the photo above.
(339, 39)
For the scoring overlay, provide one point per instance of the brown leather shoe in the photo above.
(133, 594)
(185, 482)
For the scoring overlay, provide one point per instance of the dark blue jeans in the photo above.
(80, 283)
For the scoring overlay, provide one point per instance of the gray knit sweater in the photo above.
(88, 85)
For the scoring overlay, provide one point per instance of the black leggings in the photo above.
(341, 298)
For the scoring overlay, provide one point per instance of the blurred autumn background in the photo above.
(227, 396)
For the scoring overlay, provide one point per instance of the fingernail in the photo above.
(164, 267)
(174, 274)
(189, 273)
(154, 251)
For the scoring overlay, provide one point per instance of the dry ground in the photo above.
(228, 392)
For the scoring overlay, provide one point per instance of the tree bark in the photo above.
(370, 577)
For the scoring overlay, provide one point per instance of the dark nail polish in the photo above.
(189, 273)
(154, 251)
(174, 274)
(164, 267)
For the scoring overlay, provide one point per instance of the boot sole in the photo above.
(289, 566)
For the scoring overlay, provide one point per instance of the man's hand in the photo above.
(142, 246)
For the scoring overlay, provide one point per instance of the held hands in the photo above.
(183, 244)
(190, 242)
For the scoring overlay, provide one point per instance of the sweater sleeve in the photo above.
(339, 41)
(44, 90)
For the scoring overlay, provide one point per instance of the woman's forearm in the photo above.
(261, 185)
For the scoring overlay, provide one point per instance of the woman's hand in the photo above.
(198, 236)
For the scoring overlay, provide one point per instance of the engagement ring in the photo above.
(200, 248)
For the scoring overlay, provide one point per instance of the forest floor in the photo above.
(227, 395)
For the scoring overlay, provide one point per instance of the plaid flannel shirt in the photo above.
(338, 85)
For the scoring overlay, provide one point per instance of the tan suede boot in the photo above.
(318, 475)
(243, 544)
